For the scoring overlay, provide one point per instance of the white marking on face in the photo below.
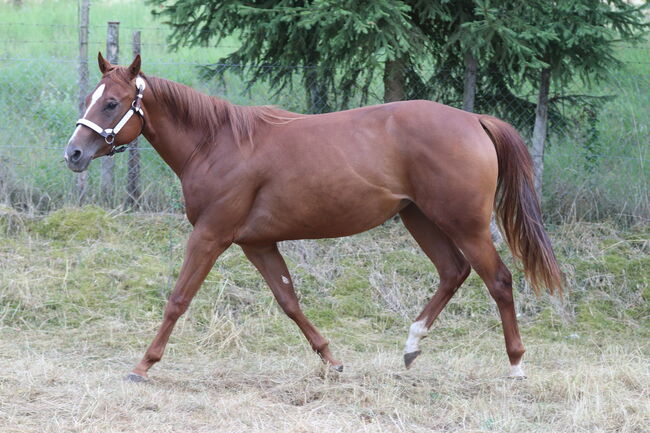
(285, 280)
(416, 332)
(99, 91)
(517, 371)
(75, 132)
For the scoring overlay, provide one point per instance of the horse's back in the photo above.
(345, 172)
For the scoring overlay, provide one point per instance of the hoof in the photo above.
(410, 357)
(136, 378)
(337, 368)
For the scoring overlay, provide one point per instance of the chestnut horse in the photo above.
(255, 176)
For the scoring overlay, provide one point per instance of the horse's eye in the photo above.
(111, 105)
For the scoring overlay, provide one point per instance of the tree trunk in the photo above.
(539, 132)
(394, 78)
(469, 91)
(316, 93)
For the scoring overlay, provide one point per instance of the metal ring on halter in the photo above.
(111, 137)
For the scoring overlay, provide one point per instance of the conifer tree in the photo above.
(573, 39)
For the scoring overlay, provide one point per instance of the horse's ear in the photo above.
(104, 65)
(134, 69)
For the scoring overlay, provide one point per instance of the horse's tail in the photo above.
(517, 207)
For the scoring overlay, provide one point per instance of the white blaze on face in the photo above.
(416, 332)
(99, 91)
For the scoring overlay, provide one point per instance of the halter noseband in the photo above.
(110, 133)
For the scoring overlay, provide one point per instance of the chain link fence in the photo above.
(596, 162)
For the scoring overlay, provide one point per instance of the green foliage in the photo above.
(579, 37)
(333, 47)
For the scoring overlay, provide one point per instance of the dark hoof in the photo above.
(136, 378)
(337, 368)
(410, 357)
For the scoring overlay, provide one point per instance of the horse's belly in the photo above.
(320, 215)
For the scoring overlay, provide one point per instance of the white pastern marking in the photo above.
(285, 280)
(516, 371)
(416, 332)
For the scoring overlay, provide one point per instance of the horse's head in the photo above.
(113, 116)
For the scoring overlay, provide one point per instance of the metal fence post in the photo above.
(133, 176)
(84, 7)
(108, 163)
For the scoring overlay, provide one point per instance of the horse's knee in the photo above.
(176, 306)
(290, 308)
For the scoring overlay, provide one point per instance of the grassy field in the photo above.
(82, 293)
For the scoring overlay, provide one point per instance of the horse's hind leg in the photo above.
(268, 260)
(452, 268)
(476, 244)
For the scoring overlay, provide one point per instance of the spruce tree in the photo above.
(573, 39)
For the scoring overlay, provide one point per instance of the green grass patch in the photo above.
(77, 267)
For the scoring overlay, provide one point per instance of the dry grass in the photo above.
(51, 385)
(78, 308)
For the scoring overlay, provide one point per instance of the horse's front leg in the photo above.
(203, 248)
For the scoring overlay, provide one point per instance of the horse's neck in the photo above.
(174, 141)
(181, 120)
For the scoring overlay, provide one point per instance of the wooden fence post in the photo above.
(108, 163)
(133, 176)
(84, 7)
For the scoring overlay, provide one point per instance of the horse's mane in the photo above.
(202, 112)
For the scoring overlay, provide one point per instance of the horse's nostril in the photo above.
(76, 155)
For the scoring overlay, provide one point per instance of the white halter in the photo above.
(110, 133)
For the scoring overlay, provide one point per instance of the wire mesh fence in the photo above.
(596, 158)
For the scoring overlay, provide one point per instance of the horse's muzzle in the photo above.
(76, 159)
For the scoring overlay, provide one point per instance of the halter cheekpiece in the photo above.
(110, 133)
